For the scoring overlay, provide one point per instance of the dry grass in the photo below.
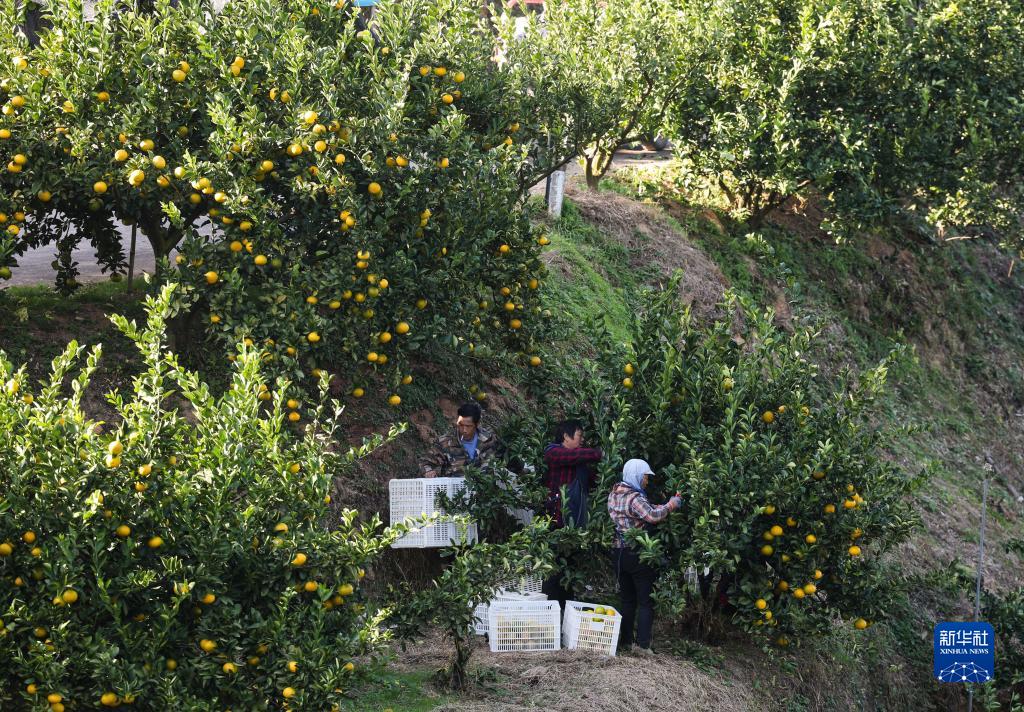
(571, 681)
(655, 242)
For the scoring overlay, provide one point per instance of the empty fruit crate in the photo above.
(523, 626)
(589, 626)
(481, 614)
(521, 585)
(417, 497)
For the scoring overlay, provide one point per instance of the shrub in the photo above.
(177, 559)
(783, 475)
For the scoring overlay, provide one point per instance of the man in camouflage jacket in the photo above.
(468, 445)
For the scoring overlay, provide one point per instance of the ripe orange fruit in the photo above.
(768, 417)
(212, 277)
(123, 531)
(854, 550)
(394, 400)
(374, 189)
(776, 530)
(860, 624)
(761, 604)
(299, 560)
(767, 550)
(155, 543)
(810, 538)
(207, 645)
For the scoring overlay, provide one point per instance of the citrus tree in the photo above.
(879, 108)
(602, 75)
(475, 574)
(340, 197)
(177, 559)
(789, 506)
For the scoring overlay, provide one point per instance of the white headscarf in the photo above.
(633, 474)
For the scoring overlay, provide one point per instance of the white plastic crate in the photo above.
(480, 618)
(522, 585)
(585, 629)
(416, 497)
(523, 626)
(481, 613)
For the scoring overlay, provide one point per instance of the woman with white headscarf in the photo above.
(629, 509)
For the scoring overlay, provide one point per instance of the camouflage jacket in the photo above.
(447, 457)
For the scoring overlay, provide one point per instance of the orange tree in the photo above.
(612, 71)
(178, 560)
(789, 504)
(878, 108)
(336, 195)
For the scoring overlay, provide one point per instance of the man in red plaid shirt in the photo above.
(570, 466)
(567, 459)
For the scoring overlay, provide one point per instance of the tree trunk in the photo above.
(597, 164)
(456, 675)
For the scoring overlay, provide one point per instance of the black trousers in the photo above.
(635, 583)
(555, 591)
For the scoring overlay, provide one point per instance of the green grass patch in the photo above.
(600, 275)
(397, 691)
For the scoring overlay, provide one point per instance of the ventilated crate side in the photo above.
(524, 626)
(481, 612)
(523, 584)
(412, 498)
(480, 618)
(406, 501)
(583, 629)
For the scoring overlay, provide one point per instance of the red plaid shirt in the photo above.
(562, 463)
(629, 509)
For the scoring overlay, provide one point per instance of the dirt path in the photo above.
(34, 266)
